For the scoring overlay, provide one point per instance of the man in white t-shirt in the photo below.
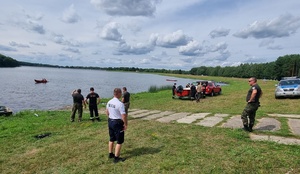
(117, 124)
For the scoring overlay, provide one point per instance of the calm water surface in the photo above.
(20, 92)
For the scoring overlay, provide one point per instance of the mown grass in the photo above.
(232, 100)
(150, 146)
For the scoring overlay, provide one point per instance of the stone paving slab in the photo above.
(234, 122)
(277, 139)
(158, 115)
(192, 118)
(173, 117)
(221, 115)
(285, 115)
(210, 121)
(269, 124)
(145, 114)
(137, 112)
(294, 124)
(264, 124)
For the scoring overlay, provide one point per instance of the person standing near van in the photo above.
(93, 99)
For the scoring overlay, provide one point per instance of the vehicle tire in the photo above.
(212, 93)
(220, 92)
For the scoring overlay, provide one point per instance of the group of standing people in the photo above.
(252, 99)
(92, 99)
(116, 110)
(194, 90)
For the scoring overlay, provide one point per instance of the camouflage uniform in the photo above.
(251, 108)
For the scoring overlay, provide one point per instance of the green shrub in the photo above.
(154, 88)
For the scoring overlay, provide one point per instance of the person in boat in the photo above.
(173, 90)
(78, 102)
(93, 99)
(188, 85)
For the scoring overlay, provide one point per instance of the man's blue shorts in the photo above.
(116, 130)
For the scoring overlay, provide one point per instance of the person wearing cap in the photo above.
(253, 103)
(93, 99)
(117, 124)
(78, 102)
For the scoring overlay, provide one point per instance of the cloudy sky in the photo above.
(170, 34)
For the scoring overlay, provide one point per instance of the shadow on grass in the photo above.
(142, 151)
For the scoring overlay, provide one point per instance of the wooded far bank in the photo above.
(284, 66)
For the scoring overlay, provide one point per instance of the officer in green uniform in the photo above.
(253, 103)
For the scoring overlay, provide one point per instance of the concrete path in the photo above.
(265, 124)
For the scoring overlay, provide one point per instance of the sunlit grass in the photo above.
(150, 146)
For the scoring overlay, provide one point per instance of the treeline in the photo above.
(8, 61)
(149, 70)
(285, 66)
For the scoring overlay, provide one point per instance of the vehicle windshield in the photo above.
(289, 82)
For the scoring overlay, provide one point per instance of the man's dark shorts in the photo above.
(116, 130)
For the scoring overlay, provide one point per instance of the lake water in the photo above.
(20, 92)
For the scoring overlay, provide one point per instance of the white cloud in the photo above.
(127, 7)
(15, 44)
(136, 49)
(166, 34)
(37, 44)
(221, 46)
(34, 26)
(111, 32)
(70, 15)
(59, 39)
(283, 26)
(172, 40)
(69, 49)
(6, 48)
(193, 48)
(220, 32)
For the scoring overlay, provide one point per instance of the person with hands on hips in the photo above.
(253, 103)
(117, 124)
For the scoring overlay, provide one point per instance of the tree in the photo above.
(8, 61)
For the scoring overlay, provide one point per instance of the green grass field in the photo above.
(150, 146)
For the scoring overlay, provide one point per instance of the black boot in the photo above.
(246, 128)
(250, 127)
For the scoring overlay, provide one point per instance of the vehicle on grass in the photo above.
(186, 93)
(289, 88)
(210, 88)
